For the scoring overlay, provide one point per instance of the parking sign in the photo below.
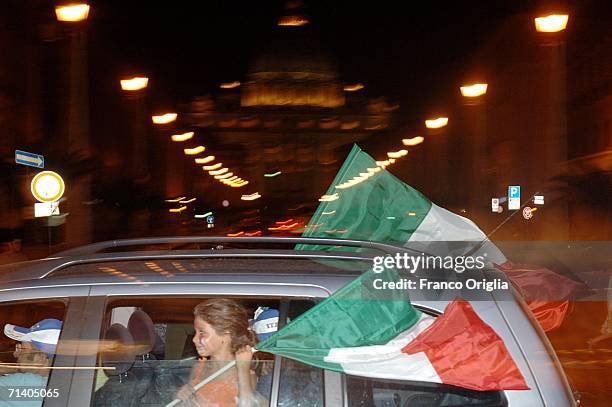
(514, 197)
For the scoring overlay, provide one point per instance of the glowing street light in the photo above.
(212, 167)
(552, 23)
(230, 85)
(135, 83)
(397, 154)
(205, 160)
(164, 118)
(182, 137)
(413, 141)
(194, 151)
(250, 197)
(436, 123)
(72, 12)
(473, 91)
(224, 176)
(219, 172)
(354, 87)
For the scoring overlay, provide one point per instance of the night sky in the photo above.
(188, 48)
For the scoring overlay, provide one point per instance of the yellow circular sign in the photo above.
(47, 186)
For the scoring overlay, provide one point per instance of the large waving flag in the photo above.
(368, 332)
(367, 202)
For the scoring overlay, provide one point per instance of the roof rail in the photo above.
(100, 246)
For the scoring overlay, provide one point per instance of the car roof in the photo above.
(93, 263)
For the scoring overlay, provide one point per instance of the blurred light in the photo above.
(164, 118)
(236, 234)
(234, 178)
(292, 21)
(239, 185)
(72, 12)
(473, 91)
(383, 163)
(552, 23)
(391, 160)
(274, 174)
(374, 170)
(175, 199)
(195, 150)
(285, 227)
(251, 197)
(225, 203)
(413, 141)
(328, 213)
(224, 176)
(436, 123)
(187, 201)
(354, 87)
(391, 217)
(205, 160)
(182, 137)
(212, 167)
(397, 154)
(135, 83)
(181, 209)
(230, 85)
(284, 222)
(256, 233)
(411, 213)
(219, 172)
(329, 198)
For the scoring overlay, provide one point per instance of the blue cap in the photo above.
(43, 335)
(265, 323)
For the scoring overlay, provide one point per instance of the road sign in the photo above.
(527, 212)
(42, 209)
(47, 186)
(30, 159)
(538, 199)
(210, 219)
(514, 197)
(494, 204)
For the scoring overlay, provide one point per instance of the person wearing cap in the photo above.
(265, 324)
(34, 353)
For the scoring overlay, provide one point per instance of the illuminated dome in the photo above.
(292, 71)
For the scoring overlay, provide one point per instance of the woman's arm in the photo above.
(243, 366)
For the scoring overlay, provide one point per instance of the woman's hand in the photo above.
(187, 395)
(244, 354)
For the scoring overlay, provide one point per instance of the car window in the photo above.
(300, 384)
(147, 352)
(388, 393)
(25, 364)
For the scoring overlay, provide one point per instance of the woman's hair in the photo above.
(227, 316)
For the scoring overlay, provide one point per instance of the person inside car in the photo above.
(34, 353)
(222, 335)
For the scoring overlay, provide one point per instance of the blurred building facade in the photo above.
(544, 124)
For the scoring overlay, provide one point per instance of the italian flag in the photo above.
(367, 202)
(374, 333)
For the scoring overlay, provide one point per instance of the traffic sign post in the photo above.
(29, 159)
(514, 197)
(494, 204)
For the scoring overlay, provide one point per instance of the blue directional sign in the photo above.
(30, 159)
(210, 219)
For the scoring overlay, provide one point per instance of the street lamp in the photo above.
(436, 123)
(552, 23)
(413, 141)
(134, 84)
(164, 118)
(72, 12)
(473, 91)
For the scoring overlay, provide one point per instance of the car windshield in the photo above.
(475, 137)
